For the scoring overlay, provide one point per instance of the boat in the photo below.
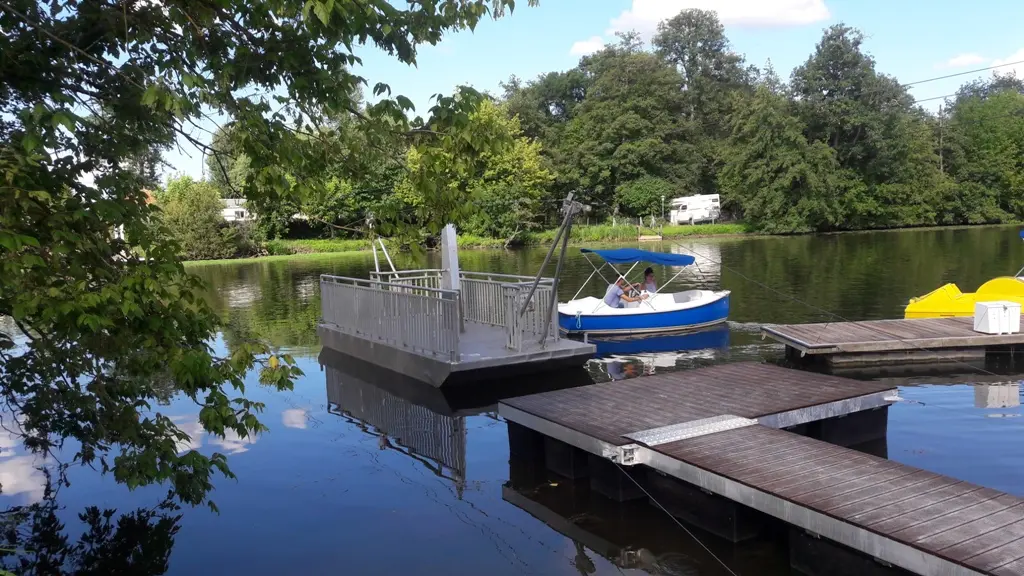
(658, 312)
(948, 301)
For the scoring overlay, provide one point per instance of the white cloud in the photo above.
(588, 46)
(1017, 69)
(194, 430)
(21, 475)
(232, 443)
(645, 15)
(294, 418)
(962, 60)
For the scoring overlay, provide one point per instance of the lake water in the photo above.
(354, 479)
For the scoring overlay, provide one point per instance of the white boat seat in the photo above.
(688, 296)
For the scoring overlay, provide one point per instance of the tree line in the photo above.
(840, 146)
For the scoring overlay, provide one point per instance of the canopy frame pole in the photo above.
(619, 276)
(599, 270)
(596, 270)
(670, 280)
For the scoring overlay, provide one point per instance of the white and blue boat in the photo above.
(658, 312)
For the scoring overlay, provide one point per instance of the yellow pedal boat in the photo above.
(948, 300)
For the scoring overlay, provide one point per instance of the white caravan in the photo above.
(693, 209)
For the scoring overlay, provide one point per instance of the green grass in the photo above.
(607, 233)
(271, 258)
(320, 246)
(278, 249)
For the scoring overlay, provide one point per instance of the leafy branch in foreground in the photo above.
(106, 312)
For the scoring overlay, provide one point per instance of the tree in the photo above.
(228, 168)
(644, 196)
(631, 125)
(694, 42)
(507, 185)
(781, 182)
(985, 133)
(86, 269)
(193, 212)
(881, 141)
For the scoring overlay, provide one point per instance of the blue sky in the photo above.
(910, 39)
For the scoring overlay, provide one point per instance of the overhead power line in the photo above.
(926, 80)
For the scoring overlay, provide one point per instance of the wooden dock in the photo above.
(877, 342)
(718, 429)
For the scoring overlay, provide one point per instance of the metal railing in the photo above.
(417, 318)
(530, 326)
(416, 278)
(401, 308)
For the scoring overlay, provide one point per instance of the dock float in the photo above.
(881, 342)
(727, 431)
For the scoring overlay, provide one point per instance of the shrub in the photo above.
(192, 209)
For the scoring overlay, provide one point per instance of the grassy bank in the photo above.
(580, 235)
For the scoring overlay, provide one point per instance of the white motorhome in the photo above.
(693, 209)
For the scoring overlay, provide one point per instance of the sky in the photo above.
(912, 40)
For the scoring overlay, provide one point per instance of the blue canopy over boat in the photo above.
(630, 255)
(1022, 233)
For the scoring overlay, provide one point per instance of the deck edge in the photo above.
(846, 533)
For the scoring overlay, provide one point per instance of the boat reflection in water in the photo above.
(633, 356)
(425, 423)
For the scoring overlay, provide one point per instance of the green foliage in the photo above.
(281, 247)
(781, 182)
(631, 125)
(193, 212)
(646, 196)
(881, 142)
(228, 168)
(506, 184)
(90, 274)
(985, 141)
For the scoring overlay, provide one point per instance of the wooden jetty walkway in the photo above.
(718, 429)
(875, 342)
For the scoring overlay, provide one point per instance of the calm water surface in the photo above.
(354, 478)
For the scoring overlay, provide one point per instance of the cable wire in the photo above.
(676, 520)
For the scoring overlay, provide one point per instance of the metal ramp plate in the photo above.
(692, 429)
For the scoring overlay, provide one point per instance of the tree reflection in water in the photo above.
(35, 541)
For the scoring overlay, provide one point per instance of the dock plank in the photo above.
(984, 541)
(894, 335)
(609, 410)
(968, 529)
(877, 502)
(943, 516)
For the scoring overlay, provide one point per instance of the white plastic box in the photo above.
(999, 317)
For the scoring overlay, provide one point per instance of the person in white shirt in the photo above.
(649, 284)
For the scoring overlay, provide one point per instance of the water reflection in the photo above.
(425, 423)
(997, 395)
(631, 535)
(629, 356)
(436, 440)
(35, 539)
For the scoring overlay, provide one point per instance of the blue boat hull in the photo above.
(647, 323)
(716, 337)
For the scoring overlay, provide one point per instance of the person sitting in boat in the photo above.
(649, 284)
(616, 293)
